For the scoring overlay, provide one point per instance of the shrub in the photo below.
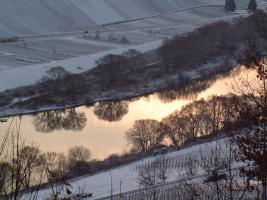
(9, 39)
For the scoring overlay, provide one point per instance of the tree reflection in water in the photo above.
(194, 88)
(190, 91)
(111, 111)
(67, 119)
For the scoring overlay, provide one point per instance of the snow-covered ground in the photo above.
(29, 74)
(100, 184)
(52, 32)
(31, 17)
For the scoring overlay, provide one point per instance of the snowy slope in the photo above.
(41, 17)
(24, 17)
(30, 17)
(30, 74)
(99, 184)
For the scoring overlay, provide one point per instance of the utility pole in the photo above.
(111, 186)
(120, 190)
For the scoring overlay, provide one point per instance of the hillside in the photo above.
(119, 99)
(128, 176)
(33, 17)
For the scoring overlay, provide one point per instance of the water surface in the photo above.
(102, 127)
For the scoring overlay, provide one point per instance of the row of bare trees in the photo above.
(24, 168)
(19, 165)
(200, 118)
(208, 117)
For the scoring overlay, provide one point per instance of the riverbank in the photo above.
(206, 52)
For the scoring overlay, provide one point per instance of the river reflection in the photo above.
(68, 119)
(102, 127)
(190, 91)
(111, 111)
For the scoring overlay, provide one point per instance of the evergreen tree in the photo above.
(230, 5)
(227, 5)
(252, 5)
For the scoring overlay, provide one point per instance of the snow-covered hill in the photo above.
(126, 178)
(58, 30)
(31, 17)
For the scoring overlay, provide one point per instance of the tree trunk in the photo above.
(264, 184)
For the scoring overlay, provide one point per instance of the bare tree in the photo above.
(56, 172)
(252, 141)
(55, 73)
(21, 169)
(177, 125)
(78, 154)
(145, 135)
(151, 175)
(252, 150)
(111, 68)
(193, 115)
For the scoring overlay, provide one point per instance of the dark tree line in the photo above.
(197, 119)
(112, 67)
(216, 40)
(58, 81)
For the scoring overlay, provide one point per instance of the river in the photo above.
(101, 127)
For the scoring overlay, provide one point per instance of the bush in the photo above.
(60, 81)
(124, 40)
(252, 6)
(55, 73)
(9, 39)
(73, 84)
(230, 5)
(110, 59)
(132, 53)
(5, 99)
(78, 154)
(80, 168)
(111, 67)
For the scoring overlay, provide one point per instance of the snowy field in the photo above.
(33, 17)
(71, 34)
(100, 184)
